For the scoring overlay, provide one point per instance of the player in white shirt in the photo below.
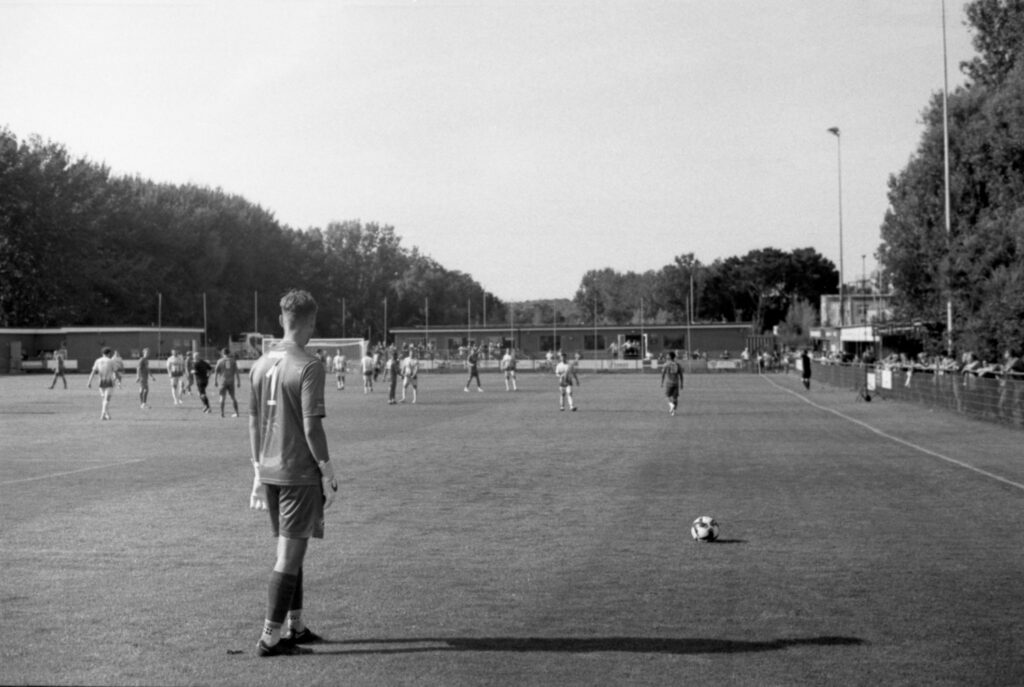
(566, 373)
(176, 373)
(105, 368)
(340, 365)
(410, 372)
(508, 366)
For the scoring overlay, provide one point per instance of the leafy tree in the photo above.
(999, 39)
(80, 247)
(980, 260)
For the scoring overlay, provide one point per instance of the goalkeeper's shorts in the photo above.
(296, 512)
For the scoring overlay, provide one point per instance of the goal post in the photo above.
(352, 349)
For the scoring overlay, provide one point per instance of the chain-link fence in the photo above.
(994, 399)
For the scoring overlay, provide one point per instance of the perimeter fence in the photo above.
(989, 398)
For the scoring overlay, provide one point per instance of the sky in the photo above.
(523, 142)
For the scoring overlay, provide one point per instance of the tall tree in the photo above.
(928, 266)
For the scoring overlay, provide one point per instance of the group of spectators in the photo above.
(1011, 367)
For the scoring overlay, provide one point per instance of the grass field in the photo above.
(486, 538)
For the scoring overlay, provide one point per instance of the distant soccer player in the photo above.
(201, 374)
(391, 372)
(142, 377)
(672, 381)
(176, 370)
(378, 365)
(58, 370)
(190, 377)
(369, 367)
(226, 378)
(473, 364)
(118, 367)
(340, 365)
(294, 478)
(410, 373)
(566, 373)
(805, 369)
(106, 369)
(508, 366)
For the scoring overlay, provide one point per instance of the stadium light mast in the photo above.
(945, 160)
(643, 340)
(159, 323)
(839, 166)
(554, 328)
(206, 339)
(689, 324)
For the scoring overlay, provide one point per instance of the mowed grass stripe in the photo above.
(890, 437)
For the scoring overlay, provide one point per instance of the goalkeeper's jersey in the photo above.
(287, 386)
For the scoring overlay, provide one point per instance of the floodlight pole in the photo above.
(945, 158)
(205, 338)
(839, 158)
(159, 324)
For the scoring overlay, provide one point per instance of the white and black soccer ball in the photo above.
(704, 529)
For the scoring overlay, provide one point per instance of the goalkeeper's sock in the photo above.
(295, 623)
(279, 600)
(271, 633)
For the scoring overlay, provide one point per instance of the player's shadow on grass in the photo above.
(575, 645)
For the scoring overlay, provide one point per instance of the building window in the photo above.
(550, 343)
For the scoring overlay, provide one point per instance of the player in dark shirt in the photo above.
(201, 374)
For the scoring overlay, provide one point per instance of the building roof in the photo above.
(95, 330)
(567, 327)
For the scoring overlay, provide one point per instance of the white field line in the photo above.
(71, 472)
(890, 437)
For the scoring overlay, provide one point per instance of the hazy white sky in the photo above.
(521, 142)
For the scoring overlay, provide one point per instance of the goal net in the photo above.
(352, 349)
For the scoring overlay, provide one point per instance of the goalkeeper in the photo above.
(294, 478)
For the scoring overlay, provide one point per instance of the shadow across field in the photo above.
(575, 645)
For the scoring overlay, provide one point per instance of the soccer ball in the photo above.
(704, 528)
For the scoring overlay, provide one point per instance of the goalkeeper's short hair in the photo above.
(298, 304)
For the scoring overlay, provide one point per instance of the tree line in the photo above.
(80, 246)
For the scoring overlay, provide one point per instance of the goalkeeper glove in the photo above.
(328, 483)
(258, 498)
